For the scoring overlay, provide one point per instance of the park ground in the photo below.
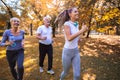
(100, 59)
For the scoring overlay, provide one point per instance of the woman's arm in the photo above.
(23, 40)
(4, 39)
(23, 43)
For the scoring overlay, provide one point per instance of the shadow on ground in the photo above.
(100, 60)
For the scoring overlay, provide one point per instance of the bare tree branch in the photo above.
(9, 11)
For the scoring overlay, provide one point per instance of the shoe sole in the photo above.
(41, 71)
(50, 73)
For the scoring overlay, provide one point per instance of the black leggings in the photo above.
(13, 57)
(43, 50)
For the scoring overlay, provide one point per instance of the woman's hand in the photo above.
(8, 43)
(22, 44)
(84, 27)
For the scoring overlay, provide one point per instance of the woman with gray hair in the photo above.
(14, 40)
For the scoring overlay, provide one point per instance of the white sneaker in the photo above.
(41, 70)
(50, 72)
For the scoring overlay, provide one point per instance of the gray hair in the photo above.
(14, 18)
(46, 18)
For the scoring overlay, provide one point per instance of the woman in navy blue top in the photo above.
(14, 40)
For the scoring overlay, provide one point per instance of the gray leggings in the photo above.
(71, 56)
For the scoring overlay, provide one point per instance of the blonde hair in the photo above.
(14, 18)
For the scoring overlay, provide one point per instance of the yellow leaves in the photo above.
(116, 10)
(101, 30)
(77, 2)
(88, 76)
(111, 14)
(106, 17)
(29, 61)
(110, 29)
(2, 52)
(118, 21)
(2, 23)
(2, 56)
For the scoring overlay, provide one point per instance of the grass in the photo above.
(100, 59)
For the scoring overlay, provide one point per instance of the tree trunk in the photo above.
(10, 13)
(53, 31)
(31, 31)
(88, 32)
(8, 26)
(118, 30)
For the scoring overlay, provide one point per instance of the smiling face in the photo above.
(74, 14)
(15, 22)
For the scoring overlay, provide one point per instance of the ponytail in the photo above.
(62, 18)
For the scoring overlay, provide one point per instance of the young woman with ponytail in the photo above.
(70, 54)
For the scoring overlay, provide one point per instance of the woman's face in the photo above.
(15, 23)
(74, 14)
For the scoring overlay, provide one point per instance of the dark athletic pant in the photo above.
(13, 57)
(43, 50)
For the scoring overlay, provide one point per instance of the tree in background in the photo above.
(37, 9)
(10, 15)
(8, 10)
